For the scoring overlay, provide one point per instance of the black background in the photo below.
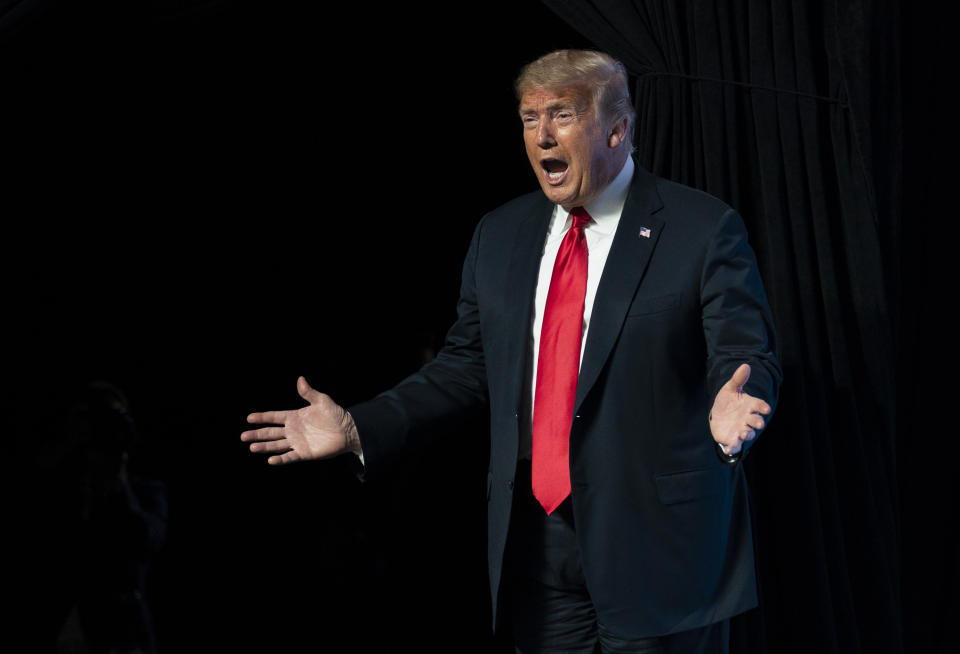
(206, 200)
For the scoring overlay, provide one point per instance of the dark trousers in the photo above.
(545, 594)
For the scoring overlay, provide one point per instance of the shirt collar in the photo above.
(605, 209)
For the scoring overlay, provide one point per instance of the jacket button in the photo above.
(510, 484)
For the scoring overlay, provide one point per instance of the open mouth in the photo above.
(555, 170)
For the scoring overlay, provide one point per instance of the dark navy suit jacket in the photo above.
(662, 523)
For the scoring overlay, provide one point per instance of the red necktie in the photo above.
(558, 366)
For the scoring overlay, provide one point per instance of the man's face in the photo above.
(574, 154)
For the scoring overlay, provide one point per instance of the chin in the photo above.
(566, 201)
(556, 195)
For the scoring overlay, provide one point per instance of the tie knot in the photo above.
(580, 217)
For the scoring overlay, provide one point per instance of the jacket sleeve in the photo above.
(737, 322)
(438, 397)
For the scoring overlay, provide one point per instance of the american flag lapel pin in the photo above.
(644, 232)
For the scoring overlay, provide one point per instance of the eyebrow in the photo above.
(553, 106)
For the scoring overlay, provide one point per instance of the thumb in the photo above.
(740, 377)
(305, 390)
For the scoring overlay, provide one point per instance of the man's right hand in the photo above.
(318, 431)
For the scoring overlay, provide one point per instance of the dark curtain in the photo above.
(790, 112)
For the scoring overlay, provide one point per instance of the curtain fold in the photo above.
(780, 108)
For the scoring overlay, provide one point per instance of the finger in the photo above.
(740, 377)
(756, 421)
(748, 435)
(758, 406)
(263, 434)
(270, 447)
(274, 417)
(282, 459)
(305, 390)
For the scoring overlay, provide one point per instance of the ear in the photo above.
(618, 133)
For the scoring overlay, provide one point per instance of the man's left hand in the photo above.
(736, 417)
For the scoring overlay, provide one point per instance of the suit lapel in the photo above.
(522, 285)
(626, 263)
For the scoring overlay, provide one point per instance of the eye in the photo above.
(529, 121)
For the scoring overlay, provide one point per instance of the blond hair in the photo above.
(586, 69)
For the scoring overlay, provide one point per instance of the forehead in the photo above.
(539, 98)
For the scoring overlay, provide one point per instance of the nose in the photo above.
(545, 135)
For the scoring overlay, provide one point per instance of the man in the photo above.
(616, 326)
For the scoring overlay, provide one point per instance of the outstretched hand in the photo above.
(737, 417)
(318, 431)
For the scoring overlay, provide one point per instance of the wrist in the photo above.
(351, 434)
